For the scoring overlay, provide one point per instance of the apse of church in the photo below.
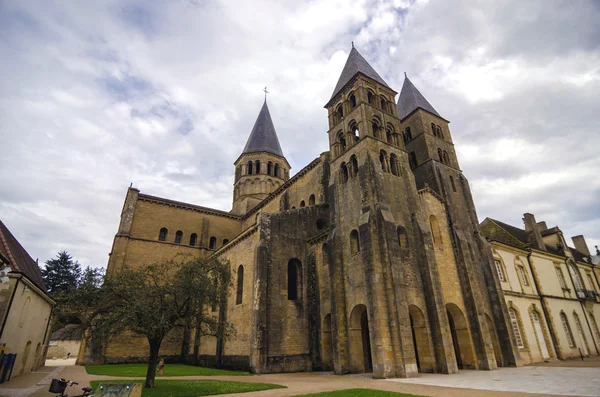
(368, 259)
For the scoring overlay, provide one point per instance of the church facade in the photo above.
(369, 259)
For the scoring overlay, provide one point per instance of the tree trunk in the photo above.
(151, 374)
(185, 342)
(197, 340)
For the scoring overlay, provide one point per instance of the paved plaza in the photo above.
(530, 379)
(573, 378)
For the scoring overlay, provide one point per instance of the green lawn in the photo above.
(358, 393)
(195, 388)
(139, 370)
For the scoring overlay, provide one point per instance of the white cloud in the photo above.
(101, 94)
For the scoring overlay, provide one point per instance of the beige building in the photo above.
(550, 289)
(25, 307)
(65, 342)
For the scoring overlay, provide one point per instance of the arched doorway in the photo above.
(425, 360)
(461, 338)
(360, 342)
(494, 337)
(25, 356)
(327, 342)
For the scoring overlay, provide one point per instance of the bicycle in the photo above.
(59, 386)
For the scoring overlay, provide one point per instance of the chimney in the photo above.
(541, 226)
(534, 236)
(580, 245)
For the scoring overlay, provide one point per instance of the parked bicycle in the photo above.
(59, 386)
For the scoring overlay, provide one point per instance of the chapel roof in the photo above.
(356, 64)
(263, 137)
(411, 99)
(18, 258)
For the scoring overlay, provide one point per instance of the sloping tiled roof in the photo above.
(411, 99)
(356, 64)
(263, 137)
(68, 332)
(19, 259)
(504, 233)
(580, 257)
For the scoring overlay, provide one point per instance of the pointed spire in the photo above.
(355, 64)
(411, 99)
(263, 137)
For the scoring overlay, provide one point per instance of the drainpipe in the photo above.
(544, 309)
(9, 306)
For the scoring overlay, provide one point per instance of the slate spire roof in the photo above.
(19, 260)
(411, 99)
(263, 137)
(356, 64)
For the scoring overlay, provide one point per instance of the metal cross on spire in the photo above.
(266, 92)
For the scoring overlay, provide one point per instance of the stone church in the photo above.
(368, 259)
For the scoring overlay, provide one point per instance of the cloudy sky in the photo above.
(96, 95)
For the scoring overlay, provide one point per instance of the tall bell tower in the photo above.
(261, 168)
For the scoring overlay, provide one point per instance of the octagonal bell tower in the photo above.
(261, 168)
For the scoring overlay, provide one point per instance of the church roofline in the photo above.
(425, 110)
(335, 97)
(193, 207)
(283, 187)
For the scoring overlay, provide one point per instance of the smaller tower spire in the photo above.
(411, 99)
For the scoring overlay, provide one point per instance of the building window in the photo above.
(344, 172)
(402, 237)
(576, 278)
(515, 327)
(212, 243)
(412, 160)
(446, 158)
(276, 170)
(567, 328)
(355, 132)
(499, 270)
(340, 113)
(595, 328)
(178, 237)
(522, 275)
(370, 97)
(249, 168)
(561, 278)
(388, 135)
(162, 235)
(452, 183)
(435, 230)
(240, 285)
(354, 242)
(294, 279)
(311, 200)
(375, 128)
(270, 168)
(353, 100)
(394, 165)
(407, 135)
(591, 281)
(354, 163)
(302, 204)
(193, 239)
(382, 160)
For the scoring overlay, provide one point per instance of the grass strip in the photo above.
(139, 370)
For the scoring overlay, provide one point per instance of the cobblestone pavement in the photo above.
(566, 381)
